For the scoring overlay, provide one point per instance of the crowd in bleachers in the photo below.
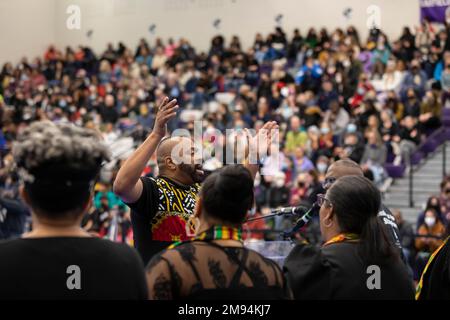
(334, 95)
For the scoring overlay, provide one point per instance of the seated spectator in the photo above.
(299, 190)
(391, 79)
(327, 95)
(406, 232)
(408, 138)
(411, 104)
(374, 156)
(444, 77)
(215, 264)
(388, 130)
(337, 117)
(108, 111)
(352, 148)
(14, 215)
(430, 237)
(394, 105)
(278, 193)
(430, 112)
(354, 240)
(301, 162)
(308, 77)
(364, 86)
(432, 203)
(58, 165)
(295, 137)
(415, 79)
(444, 199)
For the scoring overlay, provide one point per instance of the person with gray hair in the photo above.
(58, 166)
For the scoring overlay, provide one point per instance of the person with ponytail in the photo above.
(214, 264)
(356, 260)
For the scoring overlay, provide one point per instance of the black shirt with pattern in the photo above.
(159, 216)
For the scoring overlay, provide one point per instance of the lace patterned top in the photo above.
(206, 271)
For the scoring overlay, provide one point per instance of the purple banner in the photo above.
(434, 10)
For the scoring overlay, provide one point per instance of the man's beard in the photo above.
(194, 171)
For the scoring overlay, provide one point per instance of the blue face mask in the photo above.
(351, 128)
(361, 91)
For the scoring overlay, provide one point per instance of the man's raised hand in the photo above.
(166, 111)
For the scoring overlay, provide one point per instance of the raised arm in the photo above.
(261, 142)
(127, 185)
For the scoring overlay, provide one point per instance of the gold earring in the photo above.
(192, 226)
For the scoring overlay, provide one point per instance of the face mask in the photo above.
(287, 112)
(322, 167)
(279, 183)
(325, 130)
(430, 221)
(351, 128)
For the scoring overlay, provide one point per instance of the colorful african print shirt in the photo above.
(175, 205)
(159, 216)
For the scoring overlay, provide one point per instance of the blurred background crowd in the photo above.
(334, 95)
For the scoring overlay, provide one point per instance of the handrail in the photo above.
(437, 132)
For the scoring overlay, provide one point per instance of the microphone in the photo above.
(302, 221)
(282, 211)
(289, 210)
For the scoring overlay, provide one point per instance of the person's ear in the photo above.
(170, 164)
(329, 216)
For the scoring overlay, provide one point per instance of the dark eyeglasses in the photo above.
(328, 182)
(321, 198)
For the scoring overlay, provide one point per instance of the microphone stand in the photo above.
(281, 213)
(303, 221)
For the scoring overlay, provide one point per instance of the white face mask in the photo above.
(279, 183)
(325, 130)
(430, 221)
(322, 167)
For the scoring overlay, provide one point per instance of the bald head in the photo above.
(177, 159)
(166, 147)
(342, 168)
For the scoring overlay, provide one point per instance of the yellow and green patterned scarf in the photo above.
(215, 233)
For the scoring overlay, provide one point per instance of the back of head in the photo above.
(58, 164)
(348, 164)
(356, 203)
(227, 194)
(344, 167)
